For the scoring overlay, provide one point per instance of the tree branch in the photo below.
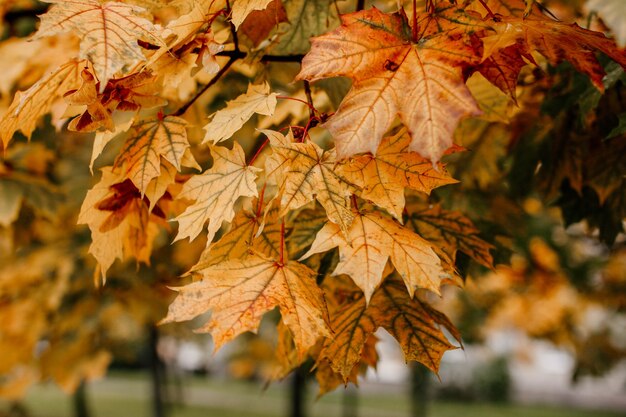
(214, 80)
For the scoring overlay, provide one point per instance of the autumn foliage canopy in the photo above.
(298, 155)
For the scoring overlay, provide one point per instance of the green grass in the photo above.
(125, 394)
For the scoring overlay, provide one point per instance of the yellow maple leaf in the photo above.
(157, 187)
(242, 8)
(412, 322)
(374, 239)
(239, 292)
(249, 231)
(28, 106)
(421, 83)
(148, 142)
(108, 32)
(383, 177)
(227, 121)
(215, 192)
(304, 172)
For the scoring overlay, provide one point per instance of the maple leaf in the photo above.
(130, 93)
(18, 187)
(242, 8)
(555, 40)
(120, 223)
(383, 177)
(449, 231)
(28, 106)
(249, 232)
(328, 379)
(374, 239)
(225, 122)
(305, 19)
(304, 172)
(239, 292)
(108, 31)
(189, 23)
(260, 23)
(412, 322)
(148, 142)
(612, 13)
(215, 192)
(421, 83)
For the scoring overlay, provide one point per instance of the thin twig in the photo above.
(282, 242)
(233, 29)
(489, 12)
(258, 151)
(309, 98)
(414, 25)
(214, 80)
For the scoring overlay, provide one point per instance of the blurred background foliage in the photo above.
(544, 180)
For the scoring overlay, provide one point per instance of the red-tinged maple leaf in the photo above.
(259, 23)
(531, 30)
(392, 75)
(129, 93)
(120, 223)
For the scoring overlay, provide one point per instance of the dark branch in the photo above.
(214, 80)
(309, 99)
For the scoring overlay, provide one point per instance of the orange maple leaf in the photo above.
(392, 75)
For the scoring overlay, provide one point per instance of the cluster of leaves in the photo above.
(327, 211)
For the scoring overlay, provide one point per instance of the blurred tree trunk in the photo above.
(298, 391)
(420, 390)
(350, 402)
(157, 374)
(79, 399)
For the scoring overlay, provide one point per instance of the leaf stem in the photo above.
(233, 30)
(258, 151)
(312, 109)
(414, 21)
(355, 203)
(260, 201)
(489, 12)
(282, 242)
(309, 98)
